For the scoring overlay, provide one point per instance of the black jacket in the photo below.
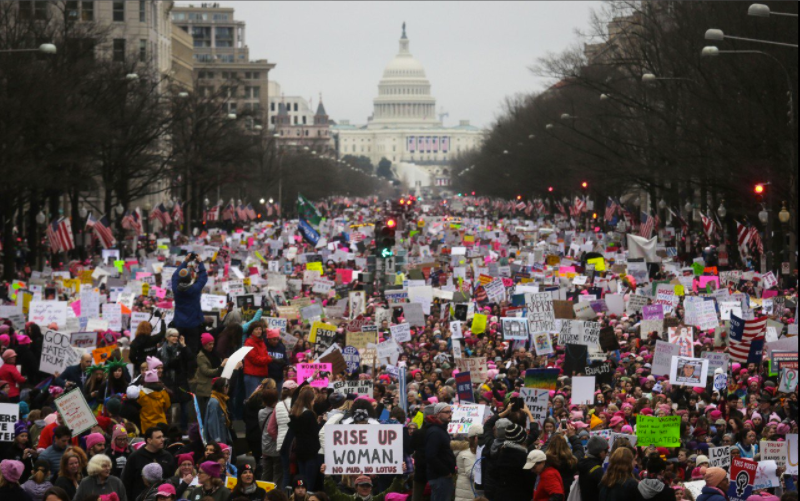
(652, 489)
(512, 482)
(420, 464)
(619, 492)
(279, 361)
(306, 434)
(145, 346)
(132, 473)
(438, 454)
(590, 472)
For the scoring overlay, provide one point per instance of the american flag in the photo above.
(561, 209)
(177, 213)
(269, 210)
(681, 221)
(541, 208)
(102, 230)
(529, 209)
(162, 214)
(229, 213)
(520, 205)
(647, 226)
(709, 226)
(611, 209)
(212, 214)
(132, 220)
(628, 216)
(755, 240)
(580, 205)
(251, 213)
(59, 233)
(746, 339)
(241, 213)
(742, 234)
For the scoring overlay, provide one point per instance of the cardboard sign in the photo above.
(44, 313)
(360, 340)
(477, 368)
(319, 374)
(336, 359)
(464, 416)
(57, 353)
(774, 451)
(688, 371)
(658, 431)
(719, 456)
(401, 333)
(77, 414)
(464, 387)
(364, 450)
(540, 314)
(515, 329)
(360, 387)
(233, 361)
(9, 414)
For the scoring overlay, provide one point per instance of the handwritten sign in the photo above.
(364, 450)
(319, 374)
(44, 313)
(464, 416)
(659, 431)
(9, 413)
(77, 414)
(359, 388)
(719, 456)
(541, 316)
(57, 353)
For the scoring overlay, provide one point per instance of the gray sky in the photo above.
(474, 53)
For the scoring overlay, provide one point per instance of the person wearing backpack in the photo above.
(271, 469)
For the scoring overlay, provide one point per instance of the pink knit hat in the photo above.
(206, 338)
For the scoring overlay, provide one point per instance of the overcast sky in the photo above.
(474, 53)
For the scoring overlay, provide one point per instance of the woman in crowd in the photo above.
(185, 474)
(10, 473)
(209, 367)
(210, 484)
(560, 457)
(154, 400)
(217, 420)
(303, 422)
(271, 470)
(285, 436)
(99, 481)
(257, 360)
(179, 363)
(39, 481)
(618, 483)
(95, 386)
(465, 461)
(70, 471)
(246, 486)
(145, 343)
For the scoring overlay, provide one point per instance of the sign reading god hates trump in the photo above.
(364, 450)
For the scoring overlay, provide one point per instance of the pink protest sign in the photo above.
(705, 280)
(319, 374)
(76, 307)
(769, 293)
(141, 274)
(347, 275)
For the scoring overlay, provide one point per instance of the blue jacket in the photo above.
(188, 313)
(711, 494)
(216, 427)
(73, 373)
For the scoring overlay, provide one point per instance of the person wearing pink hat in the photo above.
(10, 374)
(95, 444)
(210, 484)
(119, 450)
(716, 487)
(155, 401)
(186, 472)
(209, 367)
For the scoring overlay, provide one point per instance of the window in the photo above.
(142, 50)
(295, 119)
(252, 92)
(272, 120)
(272, 106)
(119, 50)
(71, 10)
(203, 58)
(142, 11)
(226, 58)
(201, 36)
(179, 16)
(87, 11)
(256, 75)
(119, 12)
(220, 17)
(295, 106)
(305, 122)
(224, 37)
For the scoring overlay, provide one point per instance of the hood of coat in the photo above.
(650, 487)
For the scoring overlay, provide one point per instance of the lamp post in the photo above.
(717, 35)
(45, 48)
(790, 239)
(649, 78)
(761, 10)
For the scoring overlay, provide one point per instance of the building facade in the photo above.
(404, 127)
(222, 62)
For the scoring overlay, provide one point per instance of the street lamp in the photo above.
(231, 116)
(718, 35)
(662, 204)
(604, 97)
(784, 216)
(650, 78)
(45, 48)
(688, 207)
(761, 10)
(183, 95)
(83, 212)
(549, 126)
(722, 211)
(763, 216)
(40, 217)
(261, 201)
(131, 77)
(271, 201)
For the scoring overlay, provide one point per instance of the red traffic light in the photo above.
(759, 189)
(402, 201)
(391, 223)
(584, 185)
(550, 189)
(519, 197)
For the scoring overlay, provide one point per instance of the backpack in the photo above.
(272, 425)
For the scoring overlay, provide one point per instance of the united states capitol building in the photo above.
(405, 128)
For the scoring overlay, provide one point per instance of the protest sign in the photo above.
(275, 323)
(57, 353)
(85, 340)
(364, 450)
(683, 337)
(707, 316)
(695, 488)
(464, 416)
(536, 401)
(662, 358)
(742, 475)
(688, 371)
(515, 329)
(360, 340)
(44, 313)
(464, 387)
(476, 366)
(542, 379)
(319, 374)
(583, 390)
(716, 361)
(766, 475)
(211, 302)
(719, 456)
(75, 412)
(659, 431)
(323, 336)
(636, 303)
(788, 382)
(401, 333)
(352, 359)
(359, 388)
(720, 382)
(543, 344)
(653, 312)
(9, 413)
(541, 316)
(233, 361)
(774, 451)
(791, 453)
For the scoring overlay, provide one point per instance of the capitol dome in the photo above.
(404, 93)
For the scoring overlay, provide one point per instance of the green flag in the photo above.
(307, 211)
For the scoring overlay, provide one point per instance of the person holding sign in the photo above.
(257, 360)
(187, 288)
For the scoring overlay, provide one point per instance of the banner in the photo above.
(773, 451)
(308, 233)
(659, 431)
(464, 387)
(75, 412)
(364, 450)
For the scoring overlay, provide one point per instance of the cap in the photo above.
(299, 481)
(166, 490)
(534, 457)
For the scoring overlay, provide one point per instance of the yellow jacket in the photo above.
(154, 407)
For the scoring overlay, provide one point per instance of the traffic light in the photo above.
(584, 185)
(759, 189)
(550, 189)
(384, 238)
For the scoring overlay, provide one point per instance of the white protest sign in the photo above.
(464, 416)
(683, 337)
(44, 313)
(687, 371)
(766, 475)
(233, 361)
(84, 340)
(536, 401)
(112, 313)
(211, 302)
(583, 390)
(322, 286)
(662, 357)
(276, 323)
(719, 456)
(364, 450)
(791, 454)
(636, 303)
(541, 316)
(77, 414)
(514, 329)
(9, 413)
(57, 353)
(773, 451)
(788, 382)
(138, 317)
(359, 387)
(455, 330)
(401, 333)
(707, 316)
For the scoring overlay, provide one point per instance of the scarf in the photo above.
(213, 358)
(223, 404)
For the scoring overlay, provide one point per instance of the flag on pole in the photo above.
(611, 209)
(742, 234)
(229, 213)
(709, 226)
(251, 213)
(755, 240)
(161, 213)
(307, 211)
(59, 234)
(102, 229)
(132, 220)
(746, 339)
(241, 213)
(177, 213)
(647, 226)
(212, 214)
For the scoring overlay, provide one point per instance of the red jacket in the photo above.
(11, 375)
(256, 362)
(550, 483)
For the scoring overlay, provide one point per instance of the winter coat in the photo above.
(306, 434)
(216, 424)
(197, 493)
(269, 447)
(118, 460)
(155, 405)
(278, 355)
(91, 486)
(334, 417)
(438, 454)
(256, 362)
(132, 474)
(13, 492)
(144, 346)
(335, 494)
(420, 464)
(11, 375)
(74, 374)
(590, 473)
(188, 313)
(36, 491)
(512, 482)
(179, 364)
(465, 460)
(282, 416)
(652, 489)
(624, 491)
(711, 494)
(550, 484)
(205, 375)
